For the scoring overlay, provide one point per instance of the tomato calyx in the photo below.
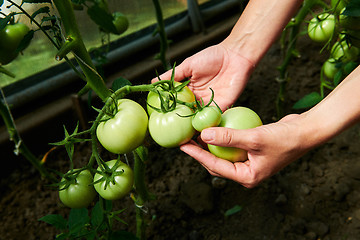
(109, 174)
(69, 178)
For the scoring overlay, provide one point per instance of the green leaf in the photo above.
(25, 41)
(56, 220)
(352, 9)
(40, 10)
(349, 67)
(78, 218)
(119, 83)
(4, 21)
(97, 215)
(102, 18)
(308, 101)
(233, 210)
(338, 77)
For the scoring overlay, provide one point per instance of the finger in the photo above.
(240, 172)
(228, 137)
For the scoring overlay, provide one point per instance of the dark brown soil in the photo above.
(316, 197)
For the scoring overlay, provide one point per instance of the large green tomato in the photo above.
(344, 52)
(207, 117)
(120, 182)
(171, 129)
(236, 118)
(185, 95)
(126, 130)
(80, 192)
(10, 39)
(321, 28)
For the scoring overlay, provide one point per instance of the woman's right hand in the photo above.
(215, 67)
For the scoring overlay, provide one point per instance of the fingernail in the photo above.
(207, 135)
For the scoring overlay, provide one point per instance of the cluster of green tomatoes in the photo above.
(172, 117)
(339, 27)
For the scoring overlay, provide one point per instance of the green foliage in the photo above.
(88, 224)
(233, 210)
(308, 100)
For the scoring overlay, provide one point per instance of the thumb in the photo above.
(228, 137)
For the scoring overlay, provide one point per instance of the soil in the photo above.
(316, 197)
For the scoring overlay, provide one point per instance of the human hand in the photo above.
(215, 67)
(270, 148)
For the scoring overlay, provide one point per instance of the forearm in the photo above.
(259, 27)
(337, 112)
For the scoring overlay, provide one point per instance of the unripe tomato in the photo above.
(207, 117)
(10, 39)
(80, 193)
(344, 52)
(121, 22)
(120, 183)
(185, 95)
(321, 28)
(171, 129)
(126, 130)
(330, 68)
(236, 118)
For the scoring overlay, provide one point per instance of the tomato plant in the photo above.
(10, 39)
(153, 100)
(76, 189)
(209, 116)
(236, 118)
(115, 182)
(344, 51)
(126, 130)
(338, 5)
(173, 128)
(121, 22)
(322, 27)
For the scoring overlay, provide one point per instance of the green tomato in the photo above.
(10, 39)
(119, 183)
(207, 117)
(80, 193)
(185, 95)
(236, 118)
(126, 130)
(344, 52)
(330, 68)
(171, 129)
(121, 22)
(321, 28)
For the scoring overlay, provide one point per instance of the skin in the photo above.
(226, 68)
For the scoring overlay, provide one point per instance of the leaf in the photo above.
(308, 101)
(78, 218)
(25, 41)
(40, 10)
(56, 220)
(349, 67)
(233, 210)
(97, 215)
(352, 9)
(102, 18)
(119, 83)
(4, 21)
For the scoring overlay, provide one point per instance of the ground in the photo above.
(316, 197)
